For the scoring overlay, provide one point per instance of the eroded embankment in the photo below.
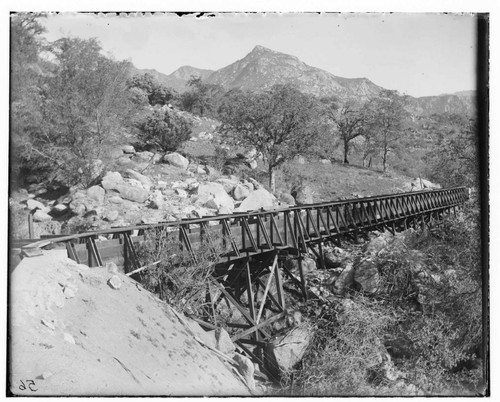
(81, 331)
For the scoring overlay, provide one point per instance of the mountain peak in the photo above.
(185, 73)
(260, 48)
(259, 51)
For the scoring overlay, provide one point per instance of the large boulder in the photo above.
(286, 199)
(96, 193)
(176, 159)
(34, 204)
(260, 198)
(367, 276)
(302, 195)
(145, 156)
(132, 193)
(333, 257)
(240, 192)
(156, 200)
(308, 265)
(420, 184)
(128, 149)
(345, 280)
(130, 190)
(228, 184)
(212, 195)
(223, 342)
(146, 182)
(41, 216)
(111, 179)
(377, 244)
(246, 369)
(284, 352)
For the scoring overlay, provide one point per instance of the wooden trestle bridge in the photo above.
(249, 274)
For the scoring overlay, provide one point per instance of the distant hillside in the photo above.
(460, 103)
(262, 68)
(178, 79)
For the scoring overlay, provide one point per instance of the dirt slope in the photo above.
(71, 333)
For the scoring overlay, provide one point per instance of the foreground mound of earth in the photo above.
(81, 331)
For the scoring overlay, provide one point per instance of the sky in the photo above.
(419, 54)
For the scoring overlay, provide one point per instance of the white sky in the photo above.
(416, 53)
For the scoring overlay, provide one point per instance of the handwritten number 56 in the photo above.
(30, 384)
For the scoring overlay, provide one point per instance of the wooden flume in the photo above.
(255, 245)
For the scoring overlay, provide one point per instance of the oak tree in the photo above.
(387, 122)
(280, 123)
(348, 120)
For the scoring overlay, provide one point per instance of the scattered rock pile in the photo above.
(129, 196)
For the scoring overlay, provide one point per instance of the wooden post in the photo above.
(279, 286)
(302, 277)
(251, 303)
(30, 225)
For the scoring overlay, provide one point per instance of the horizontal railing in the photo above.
(242, 234)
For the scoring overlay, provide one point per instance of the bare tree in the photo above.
(348, 120)
(387, 122)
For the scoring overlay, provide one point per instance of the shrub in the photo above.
(429, 345)
(346, 351)
(177, 279)
(164, 130)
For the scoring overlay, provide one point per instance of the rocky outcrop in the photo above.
(128, 189)
(240, 192)
(367, 276)
(96, 193)
(128, 149)
(258, 199)
(146, 182)
(344, 281)
(302, 195)
(177, 160)
(284, 352)
(213, 196)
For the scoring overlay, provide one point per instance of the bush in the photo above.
(164, 130)
(346, 354)
(177, 279)
(430, 327)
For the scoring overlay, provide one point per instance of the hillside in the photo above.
(459, 103)
(262, 68)
(178, 79)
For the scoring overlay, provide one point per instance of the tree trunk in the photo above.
(272, 180)
(384, 160)
(346, 150)
(370, 162)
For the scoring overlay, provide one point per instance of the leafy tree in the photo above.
(202, 98)
(279, 123)
(25, 45)
(454, 161)
(83, 101)
(349, 121)
(387, 115)
(151, 89)
(26, 76)
(164, 130)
